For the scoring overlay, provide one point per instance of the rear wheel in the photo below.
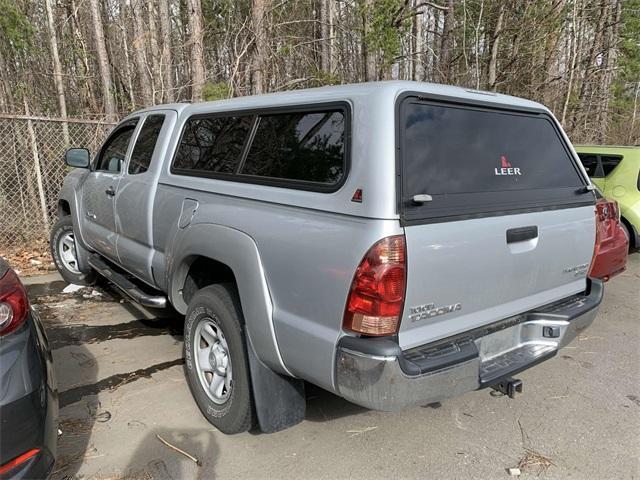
(216, 358)
(65, 254)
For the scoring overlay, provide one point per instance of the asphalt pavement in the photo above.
(121, 383)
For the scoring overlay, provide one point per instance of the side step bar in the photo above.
(127, 287)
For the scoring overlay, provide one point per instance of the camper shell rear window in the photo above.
(476, 161)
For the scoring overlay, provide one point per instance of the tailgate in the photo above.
(497, 218)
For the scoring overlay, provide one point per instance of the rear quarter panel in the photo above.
(308, 257)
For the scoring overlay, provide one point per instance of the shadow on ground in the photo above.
(78, 388)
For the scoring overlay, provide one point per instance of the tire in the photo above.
(62, 242)
(216, 309)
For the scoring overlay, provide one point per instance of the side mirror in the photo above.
(77, 157)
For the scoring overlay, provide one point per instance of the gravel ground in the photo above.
(121, 385)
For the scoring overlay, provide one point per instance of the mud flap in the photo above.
(279, 400)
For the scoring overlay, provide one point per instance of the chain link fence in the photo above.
(32, 169)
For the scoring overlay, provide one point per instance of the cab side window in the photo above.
(145, 144)
(114, 151)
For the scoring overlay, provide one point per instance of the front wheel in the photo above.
(65, 254)
(216, 362)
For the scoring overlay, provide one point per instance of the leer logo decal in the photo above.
(506, 168)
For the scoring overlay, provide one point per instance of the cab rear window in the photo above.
(474, 160)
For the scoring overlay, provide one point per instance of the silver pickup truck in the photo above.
(396, 243)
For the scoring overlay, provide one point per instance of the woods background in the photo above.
(104, 58)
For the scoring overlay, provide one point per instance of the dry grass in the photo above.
(32, 260)
(534, 462)
(75, 426)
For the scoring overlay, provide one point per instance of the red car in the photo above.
(612, 243)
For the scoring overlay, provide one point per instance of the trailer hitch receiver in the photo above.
(509, 387)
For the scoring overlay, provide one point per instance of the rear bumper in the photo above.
(378, 375)
(612, 256)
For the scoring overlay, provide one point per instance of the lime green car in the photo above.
(616, 171)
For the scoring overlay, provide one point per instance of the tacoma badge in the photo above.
(423, 312)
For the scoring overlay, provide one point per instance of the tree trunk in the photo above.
(36, 161)
(370, 70)
(325, 34)
(57, 72)
(125, 48)
(589, 65)
(103, 61)
(5, 87)
(634, 115)
(258, 8)
(197, 52)
(446, 44)
(332, 33)
(609, 61)
(165, 59)
(572, 63)
(418, 53)
(156, 74)
(83, 60)
(139, 54)
(493, 62)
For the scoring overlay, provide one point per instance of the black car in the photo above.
(28, 395)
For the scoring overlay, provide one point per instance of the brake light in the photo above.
(376, 298)
(19, 460)
(14, 304)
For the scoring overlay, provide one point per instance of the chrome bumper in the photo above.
(370, 373)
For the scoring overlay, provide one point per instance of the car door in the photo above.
(99, 189)
(136, 192)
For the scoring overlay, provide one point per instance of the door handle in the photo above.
(522, 234)
(110, 191)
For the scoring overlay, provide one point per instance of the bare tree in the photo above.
(155, 51)
(446, 43)
(103, 61)
(144, 77)
(260, 45)
(57, 71)
(165, 62)
(197, 61)
(576, 56)
(369, 55)
(325, 42)
(495, 45)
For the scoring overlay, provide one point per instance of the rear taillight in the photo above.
(14, 305)
(376, 298)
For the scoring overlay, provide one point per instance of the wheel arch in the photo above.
(64, 209)
(216, 253)
(633, 237)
